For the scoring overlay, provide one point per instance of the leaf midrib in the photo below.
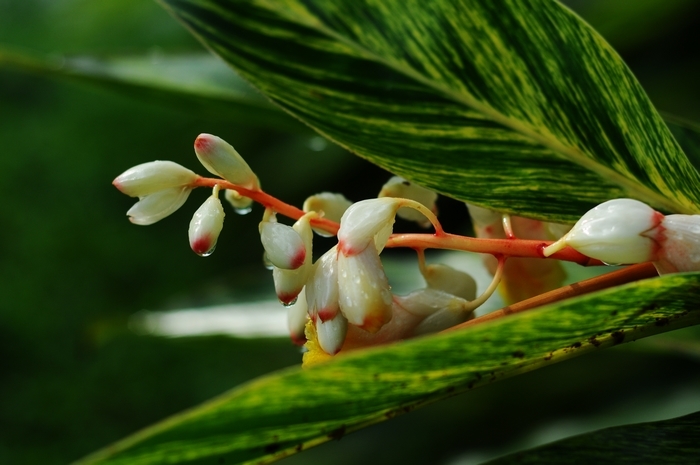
(569, 153)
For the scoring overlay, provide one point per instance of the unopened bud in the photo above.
(283, 245)
(221, 159)
(154, 207)
(297, 315)
(365, 222)
(619, 231)
(331, 333)
(240, 203)
(425, 302)
(152, 177)
(680, 244)
(206, 226)
(289, 283)
(364, 292)
(447, 279)
(330, 205)
(322, 288)
(401, 188)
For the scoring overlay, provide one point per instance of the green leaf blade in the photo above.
(289, 411)
(539, 115)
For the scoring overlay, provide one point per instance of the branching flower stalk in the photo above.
(346, 301)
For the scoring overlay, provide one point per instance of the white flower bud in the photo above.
(289, 283)
(442, 319)
(331, 333)
(283, 245)
(364, 292)
(447, 279)
(619, 231)
(425, 302)
(240, 203)
(206, 225)
(322, 288)
(149, 178)
(482, 217)
(297, 315)
(680, 244)
(330, 205)
(221, 159)
(154, 207)
(365, 222)
(401, 188)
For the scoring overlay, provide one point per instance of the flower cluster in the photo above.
(343, 300)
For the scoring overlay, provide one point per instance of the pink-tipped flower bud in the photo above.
(619, 231)
(364, 292)
(152, 177)
(447, 279)
(322, 288)
(680, 244)
(284, 246)
(154, 207)
(289, 283)
(331, 206)
(206, 225)
(365, 222)
(297, 316)
(401, 188)
(221, 159)
(331, 333)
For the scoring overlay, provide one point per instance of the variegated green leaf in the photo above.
(512, 104)
(660, 442)
(289, 411)
(687, 133)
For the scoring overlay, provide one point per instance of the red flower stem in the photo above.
(439, 240)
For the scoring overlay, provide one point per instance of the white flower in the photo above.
(331, 206)
(237, 201)
(154, 207)
(322, 289)
(331, 333)
(364, 292)
(619, 231)
(401, 188)
(283, 245)
(680, 244)
(149, 178)
(289, 283)
(365, 222)
(447, 279)
(221, 159)
(206, 225)
(297, 316)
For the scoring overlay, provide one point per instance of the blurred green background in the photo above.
(73, 375)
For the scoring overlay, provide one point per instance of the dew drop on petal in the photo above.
(208, 252)
(267, 263)
(243, 211)
(290, 303)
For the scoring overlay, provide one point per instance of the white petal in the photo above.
(322, 288)
(364, 292)
(442, 319)
(331, 205)
(289, 283)
(482, 217)
(297, 315)
(450, 280)
(154, 207)
(206, 225)
(237, 201)
(331, 334)
(680, 250)
(283, 245)
(401, 188)
(363, 221)
(425, 302)
(221, 159)
(614, 232)
(149, 178)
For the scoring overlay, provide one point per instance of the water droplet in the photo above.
(267, 263)
(317, 143)
(208, 252)
(243, 211)
(290, 303)
(611, 264)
